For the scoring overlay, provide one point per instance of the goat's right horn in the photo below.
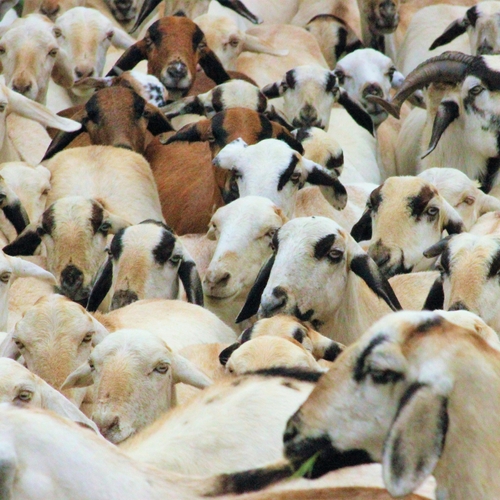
(447, 67)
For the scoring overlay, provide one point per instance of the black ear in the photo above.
(225, 354)
(362, 230)
(193, 132)
(147, 7)
(60, 141)
(454, 30)
(435, 299)
(25, 244)
(253, 300)
(276, 116)
(272, 90)
(16, 215)
(213, 67)
(437, 248)
(130, 58)
(358, 114)
(157, 121)
(190, 278)
(320, 178)
(101, 286)
(241, 9)
(369, 272)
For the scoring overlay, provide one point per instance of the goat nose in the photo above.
(220, 278)
(21, 87)
(177, 70)
(380, 254)
(50, 11)
(458, 306)
(71, 278)
(373, 89)
(485, 49)
(82, 72)
(308, 115)
(123, 298)
(273, 303)
(388, 9)
(108, 425)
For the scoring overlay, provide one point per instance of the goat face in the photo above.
(383, 15)
(404, 216)
(123, 10)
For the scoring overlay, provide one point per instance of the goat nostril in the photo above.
(373, 89)
(107, 428)
(83, 73)
(177, 70)
(458, 306)
(21, 89)
(72, 277)
(223, 279)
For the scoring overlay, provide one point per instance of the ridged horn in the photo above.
(447, 112)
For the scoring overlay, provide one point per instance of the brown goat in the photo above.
(190, 187)
(114, 116)
(173, 46)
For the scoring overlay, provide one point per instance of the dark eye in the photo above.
(476, 90)
(91, 365)
(25, 396)
(234, 43)
(2, 51)
(105, 227)
(53, 52)
(175, 259)
(18, 343)
(340, 76)
(270, 233)
(335, 255)
(162, 368)
(432, 211)
(88, 337)
(385, 376)
(5, 277)
(391, 72)
(295, 178)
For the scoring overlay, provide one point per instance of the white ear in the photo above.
(116, 222)
(35, 111)
(452, 222)
(100, 331)
(228, 155)
(25, 269)
(397, 80)
(254, 44)
(55, 401)
(121, 40)
(8, 349)
(184, 371)
(81, 377)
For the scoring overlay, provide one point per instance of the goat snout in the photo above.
(177, 70)
(458, 306)
(21, 86)
(380, 254)
(485, 49)
(50, 11)
(217, 278)
(272, 304)
(388, 17)
(71, 280)
(123, 298)
(107, 424)
(373, 89)
(308, 117)
(84, 71)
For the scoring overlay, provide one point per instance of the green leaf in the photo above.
(306, 468)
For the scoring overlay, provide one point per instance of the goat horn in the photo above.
(447, 67)
(447, 112)
(147, 7)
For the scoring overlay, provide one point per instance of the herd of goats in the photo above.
(250, 249)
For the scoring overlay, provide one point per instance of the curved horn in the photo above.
(147, 7)
(447, 112)
(449, 66)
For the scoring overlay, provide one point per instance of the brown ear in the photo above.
(63, 139)
(157, 121)
(197, 132)
(130, 58)
(281, 133)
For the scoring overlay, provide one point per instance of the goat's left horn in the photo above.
(447, 112)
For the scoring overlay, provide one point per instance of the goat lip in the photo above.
(218, 297)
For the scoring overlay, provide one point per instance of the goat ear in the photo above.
(252, 303)
(228, 154)
(81, 377)
(323, 347)
(12, 207)
(454, 30)
(255, 44)
(452, 222)
(283, 134)
(225, 354)
(26, 243)
(63, 139)
(97, 83)
(190, 279)
(437, 248)
(130, 58)
(362, 230)
(196, 132)
(435, 298)
(416, 439)
(121, 40)
(366, 268)
(157, 121)
(116, 222)
(101, 286)
(191, 104)
(25, 269)
(488, 203)
(8, 349)
(272, 90)
(357, 112)
(186, 372)
(212, 66)
(100, 331)
(333, 190)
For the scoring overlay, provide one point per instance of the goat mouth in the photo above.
(80, 297)
(216, 297)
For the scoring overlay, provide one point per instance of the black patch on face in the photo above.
(435, 299)
(398, 462)
(163, 251)
(290, 79)
(306, 316)
(285, 176)
(219, 132)
(331, 82)
(198, 36)
(334, 162)
(323, 246)
(116, 246)
(155, 34)
(445, 260)
(418, 203)
(96, 217)
(138, 106)
(225, 354)
(92, 109)
(376, 199)
(360, 370)
(275, 241)
(472, 15)
(302, 134)
(332, 352)
(494, 265)
(48, 220)
(123, 298)
(487, 178)
(341, 44)
(301, 374)
(489, 77)
(217, 103)
(410, 392)
(262, 103)
(266, 128)
(429, 324)
(290, 140)
(246, 335)
(299, 335)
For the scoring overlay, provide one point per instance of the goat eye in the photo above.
(53, 52)
(5, 277)
(2, 51)
(18, 343)
(3, 106)
(385, 376)
(25, 396)
(91, 365)
(105, 227)
(175, 259)
(391, 72)
(110, 35)
(162, 368)
(57, 32)
(270, 233)
(432, 211)
(335, 255)
(88, 337)
(148, 42)
(295, 177)
(476, 90)
(340, 76)
(234, 43)
(469, 200)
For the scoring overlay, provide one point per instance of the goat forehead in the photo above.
(267, 155)
(407, 192)
(481, 249)
(247, 212)
(132, 341)
(306, 231)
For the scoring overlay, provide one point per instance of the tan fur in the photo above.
(412, 289)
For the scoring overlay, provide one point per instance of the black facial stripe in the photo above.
(275, 241)
(285, 176)
(48, 220)
(96, 217)
(219, 132)
(197, 37)
(157, 223)
(217, 103)
(376, 199)
(163, 251)
(301, 374)
(489, 77)
(331, 82)
(445, 260)
(302, 134)
(155, 34)
(116, 246)
(341, 44)
(299, 335)
(306, 316)
(494, 265)
(410, 392)
(427, 325)
(360, 369)
(492, 168)
(472, 15)
(323, 246)
(332, 352)
(290, 79)
(334, 162)
(417, 204)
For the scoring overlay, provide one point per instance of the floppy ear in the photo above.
(157, 122)
(81, 377)
(190, 279)
(255, 44)
(283, 134)
(229, 154)
(416, 439)
(225, 354)
(101, 286)
(100, 331)
(435, 298)
(97, 83)
(191, 104)
(487, 203)
(196, 132)
(121, 40)
(366, 268)
(357, 112)
(452, 222)
(362, 230)
(12, 207)
(130, 58)
(26, 243)
(271, 113)
(333, 190)
(454, 30)
(25, 269)
(62, 139)
(116, 222)
(184, 371)
(437, 248)
(323, 347)
(252, 303)
(53, 400)
(212, 66)
(8, 349)
(273, 90)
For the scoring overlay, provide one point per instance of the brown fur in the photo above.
(333, 493)
(203, 83)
